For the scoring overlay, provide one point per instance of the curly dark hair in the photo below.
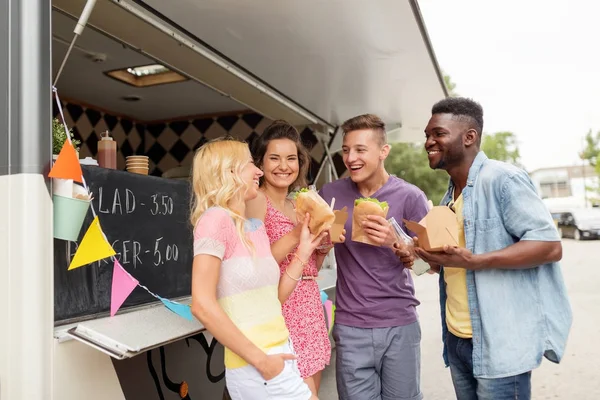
(281, 129)
(462, 109)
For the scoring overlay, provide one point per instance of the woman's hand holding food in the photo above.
(308, 241)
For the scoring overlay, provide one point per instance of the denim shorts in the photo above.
(246, 383)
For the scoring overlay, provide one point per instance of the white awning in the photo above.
(308, 62)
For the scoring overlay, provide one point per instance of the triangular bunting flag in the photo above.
(122, 286)
(93, 247)
(67, 164)
(329, 313)
(324, 297)
(182, 310)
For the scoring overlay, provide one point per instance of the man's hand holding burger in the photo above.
(379, 230)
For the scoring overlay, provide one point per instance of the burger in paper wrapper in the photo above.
(363, 207)
(321, 215)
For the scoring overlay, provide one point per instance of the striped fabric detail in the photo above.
(248, 284)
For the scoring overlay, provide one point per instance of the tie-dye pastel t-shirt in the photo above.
(248, 284)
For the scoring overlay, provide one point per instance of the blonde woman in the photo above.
(237, 291)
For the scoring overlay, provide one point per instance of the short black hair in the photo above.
(465, 110)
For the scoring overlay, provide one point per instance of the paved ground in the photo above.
(576, 378)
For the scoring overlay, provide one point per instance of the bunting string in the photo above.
(178, 308)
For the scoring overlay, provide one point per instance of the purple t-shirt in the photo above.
(374, 290)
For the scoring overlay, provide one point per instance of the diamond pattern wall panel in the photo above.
(88, 123)
(171, 144)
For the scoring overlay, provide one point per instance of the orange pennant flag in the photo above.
(93, 247)
(67, 164)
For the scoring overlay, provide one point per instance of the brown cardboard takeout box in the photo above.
(438, 228)
(338, 225)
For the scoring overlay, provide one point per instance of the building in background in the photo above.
(565, 187)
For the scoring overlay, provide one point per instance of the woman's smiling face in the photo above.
(251, 174)
(280, 163)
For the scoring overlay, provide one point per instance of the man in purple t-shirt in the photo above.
(376, 332)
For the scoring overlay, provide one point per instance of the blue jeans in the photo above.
(467, 387)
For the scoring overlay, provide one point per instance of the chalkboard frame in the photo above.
(84, 293)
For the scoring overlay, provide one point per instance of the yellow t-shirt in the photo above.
(458, 318)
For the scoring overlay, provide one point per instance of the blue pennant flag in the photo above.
(182, 310)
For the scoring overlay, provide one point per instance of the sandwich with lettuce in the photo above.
(321, 215)
(362, 208)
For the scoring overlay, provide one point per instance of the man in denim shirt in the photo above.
(503, 300)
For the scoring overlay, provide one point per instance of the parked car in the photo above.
(579, 224)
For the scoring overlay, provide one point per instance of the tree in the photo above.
(450, 86)
(591, 150)
(591, 154)
(409, 162)
(502, 146)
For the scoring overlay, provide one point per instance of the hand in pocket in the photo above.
(273, 365)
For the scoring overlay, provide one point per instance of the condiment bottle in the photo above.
(107, 151)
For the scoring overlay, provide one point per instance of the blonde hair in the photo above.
(216, 180)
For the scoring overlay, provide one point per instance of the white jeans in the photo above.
(246, 383)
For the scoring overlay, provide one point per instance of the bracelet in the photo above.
(291, 277)
(303, 263)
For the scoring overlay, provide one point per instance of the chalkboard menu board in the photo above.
(146, 220)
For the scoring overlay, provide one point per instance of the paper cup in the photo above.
(62, 187)
(69, 214)
(141, 171)
(137, 158)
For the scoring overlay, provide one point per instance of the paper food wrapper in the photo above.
(437, 229)
(341, 216)
(359, 216)
(321, 215)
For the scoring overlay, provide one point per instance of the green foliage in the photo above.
(409, 162)
(591, 153)
(501, 146)
(591, 150)
(59, 136)
(450, 86)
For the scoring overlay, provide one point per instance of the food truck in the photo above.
(162, 78)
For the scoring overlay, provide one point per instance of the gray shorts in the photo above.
(378, 363)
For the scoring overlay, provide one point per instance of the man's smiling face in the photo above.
(447, 139)
(363, 154)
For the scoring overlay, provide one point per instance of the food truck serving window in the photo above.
(129, 334)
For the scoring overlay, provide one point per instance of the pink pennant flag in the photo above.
(122, 286)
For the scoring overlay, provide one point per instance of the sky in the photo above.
(533, 65)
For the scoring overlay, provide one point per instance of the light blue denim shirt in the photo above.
(517, 316)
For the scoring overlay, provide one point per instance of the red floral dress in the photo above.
(303, 310)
